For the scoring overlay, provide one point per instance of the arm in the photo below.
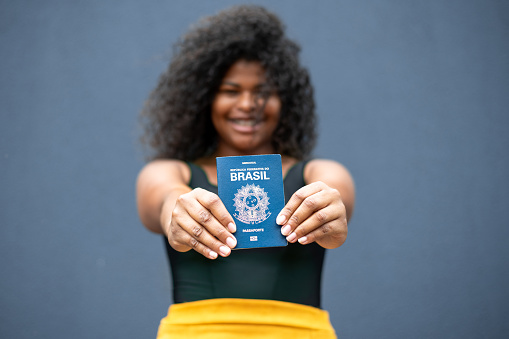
(191, 219)
(320, 210)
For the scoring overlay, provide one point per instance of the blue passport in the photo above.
(251, 188)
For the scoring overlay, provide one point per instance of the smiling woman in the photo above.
(236, 87)
(182, 100)
(244, 113)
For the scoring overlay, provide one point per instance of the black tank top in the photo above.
(291, 273)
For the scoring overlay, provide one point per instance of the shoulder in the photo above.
(165, 169)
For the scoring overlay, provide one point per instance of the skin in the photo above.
(244, 120)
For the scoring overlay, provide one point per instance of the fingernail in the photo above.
(213, 254)
(231, 242)
(286, 230)
(303, 240)
(232, 227)
(291, 237)
(225, 250)
(280, 219)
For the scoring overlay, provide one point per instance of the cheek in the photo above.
(221, 104)
(216, 107)
(273, 107)
(215, 113)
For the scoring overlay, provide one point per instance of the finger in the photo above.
(182, 241)
(200, 248)
(294, 202)
(330, 235)
(196, 235)
(308, 206)
(206, 219)
(213, 203)
(319, 233)
(316, 220)
(197, 204)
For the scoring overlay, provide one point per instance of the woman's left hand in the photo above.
(317, 212)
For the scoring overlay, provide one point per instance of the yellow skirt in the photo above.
(244, 318)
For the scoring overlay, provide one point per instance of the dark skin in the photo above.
(198, 220)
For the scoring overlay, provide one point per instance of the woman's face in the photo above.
(245, 111)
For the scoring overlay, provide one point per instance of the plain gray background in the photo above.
(412, 97)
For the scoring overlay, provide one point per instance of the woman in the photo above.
(235, 87)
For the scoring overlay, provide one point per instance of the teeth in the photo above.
(244, 122)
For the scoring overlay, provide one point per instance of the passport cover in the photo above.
(251, 188)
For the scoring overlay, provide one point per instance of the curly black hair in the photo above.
(177, 115)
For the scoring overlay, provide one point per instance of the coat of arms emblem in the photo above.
(251, 204)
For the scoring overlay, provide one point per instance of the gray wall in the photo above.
(412, 97)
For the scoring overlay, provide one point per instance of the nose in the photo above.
(246, 101)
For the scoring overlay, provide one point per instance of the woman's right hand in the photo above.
(191, 219)
(199, 221)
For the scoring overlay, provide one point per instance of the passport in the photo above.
(251, 188)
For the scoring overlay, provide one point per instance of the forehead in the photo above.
(245, 70)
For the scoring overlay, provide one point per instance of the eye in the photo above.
(228, 91)
(264, 91)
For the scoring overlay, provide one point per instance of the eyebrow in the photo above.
(229, 83)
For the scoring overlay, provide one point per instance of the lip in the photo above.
(243, 125)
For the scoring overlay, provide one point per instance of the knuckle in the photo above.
(197, 231)
(213, 200)
(193, 243)
(294, 219)
(205, 216)
(175, 213)
(172, 228)
(182, 199)
(320, 184)
(327, 228)
(179, 201)
(340, 210)
(321, 216)
(300, 195)
(197, 192)
(172, 242)
(335, 192)
(310, 202)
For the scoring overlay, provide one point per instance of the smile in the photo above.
(245, 122)
(245, 125)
